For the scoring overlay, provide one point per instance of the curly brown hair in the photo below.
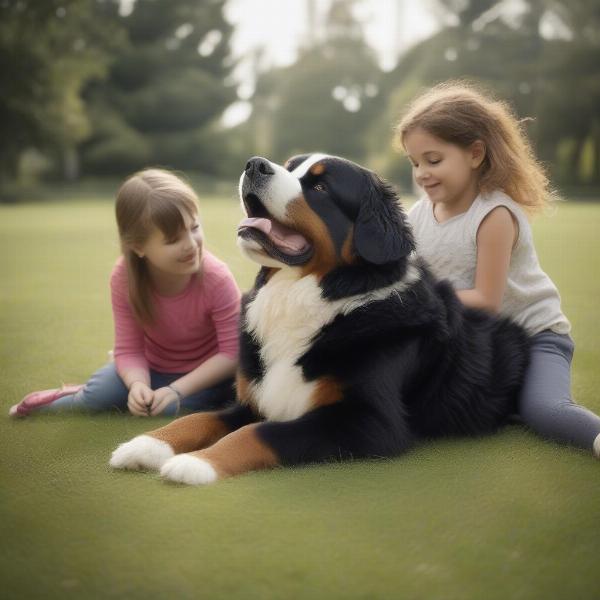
(459, 112)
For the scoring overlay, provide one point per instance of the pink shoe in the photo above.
(37, 399)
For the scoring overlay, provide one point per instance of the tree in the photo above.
(48, 51)
(569, 105)
(535, 59)
(164, 90)
(325, 100)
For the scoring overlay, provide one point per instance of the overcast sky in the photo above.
(279, 26)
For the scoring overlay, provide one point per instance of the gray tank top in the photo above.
(450, 248)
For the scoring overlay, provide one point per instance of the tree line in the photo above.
(102, 87)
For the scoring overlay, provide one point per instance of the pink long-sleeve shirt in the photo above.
(189, 328)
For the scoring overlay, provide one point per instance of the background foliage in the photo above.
(90, 90)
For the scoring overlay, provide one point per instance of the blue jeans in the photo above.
(105, 391)
(545, 402)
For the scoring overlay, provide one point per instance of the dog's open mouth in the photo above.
(278, 240)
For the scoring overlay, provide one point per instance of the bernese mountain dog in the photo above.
(350, 348)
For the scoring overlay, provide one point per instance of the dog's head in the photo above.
(318, 212)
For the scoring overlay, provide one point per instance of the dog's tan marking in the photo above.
(309, 224)
(328, 391)
(191, 432)
(239, 452)
(317, 169)
(348, 255)
(243, 388)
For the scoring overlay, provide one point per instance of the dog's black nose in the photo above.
(258, 165)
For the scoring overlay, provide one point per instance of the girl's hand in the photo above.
(162, 398)
(140, 399)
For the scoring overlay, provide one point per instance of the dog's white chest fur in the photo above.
(284, 317)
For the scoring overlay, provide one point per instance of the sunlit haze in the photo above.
(278, 28)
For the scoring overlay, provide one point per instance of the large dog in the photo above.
(349, 346)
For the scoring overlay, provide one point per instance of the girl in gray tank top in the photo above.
(480, 179)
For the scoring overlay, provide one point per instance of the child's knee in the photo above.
(104, 390)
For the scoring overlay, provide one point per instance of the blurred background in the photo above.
(91, 90)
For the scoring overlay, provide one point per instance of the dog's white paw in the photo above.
(184, 468)
(141, 453)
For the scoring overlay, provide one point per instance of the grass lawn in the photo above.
(506, 517)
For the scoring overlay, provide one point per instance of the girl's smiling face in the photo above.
(447, 173)
(179, 256)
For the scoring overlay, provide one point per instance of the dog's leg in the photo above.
(236, 453)
(328, 433)
(186, 434)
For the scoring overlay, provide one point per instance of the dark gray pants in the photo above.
(545, 404)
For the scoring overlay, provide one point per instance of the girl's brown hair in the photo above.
(147, 199)
(459, 113)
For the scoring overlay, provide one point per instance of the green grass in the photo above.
(505, 517)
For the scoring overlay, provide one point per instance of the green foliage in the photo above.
(115, 141)
(383, 156)
(326, 100)
(48, 51)
(550, 75)
(89, 89)
(165, 86)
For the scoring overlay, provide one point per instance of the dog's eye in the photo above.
(319, 187)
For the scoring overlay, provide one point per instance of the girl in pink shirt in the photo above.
(176, 312)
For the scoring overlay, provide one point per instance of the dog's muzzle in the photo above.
(276, 239)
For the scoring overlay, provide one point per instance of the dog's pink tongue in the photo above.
(263, 224)
(283, 237)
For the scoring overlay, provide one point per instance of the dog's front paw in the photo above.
(185, 468)
(141, 453)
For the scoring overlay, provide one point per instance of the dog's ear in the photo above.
(381, 232)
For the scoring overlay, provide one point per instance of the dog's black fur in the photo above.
(416, 364)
